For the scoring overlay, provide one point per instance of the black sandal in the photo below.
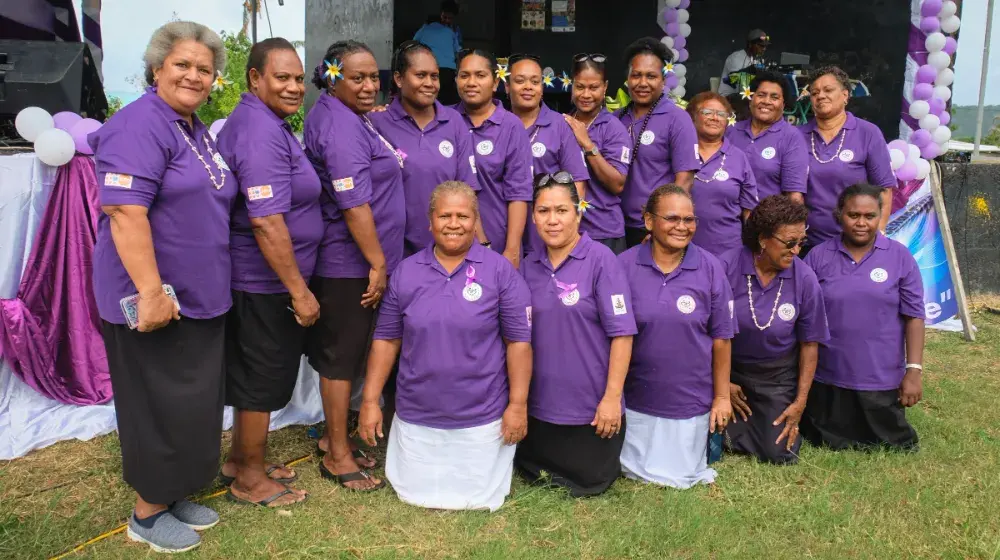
(225, 480)
(343, 479)
(356, 453)
(266, 502)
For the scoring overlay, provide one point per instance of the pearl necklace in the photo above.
(812, 142)
(714, 175)
(222, 172)
(753, 312)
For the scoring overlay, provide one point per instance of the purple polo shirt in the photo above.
(144, 160)
(798, 317)
(778, 156)
(553, 148)
(604, 218)
(866, 306)
(576, 310)
(355, 167)
(453, 361)
(864, 158)
(723, 188)
(441, 152)
(678, 315)
(275, 177)
(503, 165)
(668, 146)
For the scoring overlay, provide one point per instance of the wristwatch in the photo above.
(486, 244)
(592, 152)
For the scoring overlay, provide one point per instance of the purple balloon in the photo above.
(680, 42)
(937, 106)
(923, 91)
(671, 81)
(950, 45)
(930, 151)
(80, 131)
(926, 74)
(64, 120)
(683, 56)
(217, 127)
(945, 117)
(670, 15)
(930, 8)
(930, 24)
(898, 145)
(673, 29)
(920, 138)
(685, 4)
(907, 171)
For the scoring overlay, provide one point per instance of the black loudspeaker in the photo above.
(55, 76)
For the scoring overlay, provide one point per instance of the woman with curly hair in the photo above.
(779, 310)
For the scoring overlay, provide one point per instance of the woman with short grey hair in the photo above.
(162, 252)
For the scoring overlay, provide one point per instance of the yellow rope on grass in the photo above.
(123, 526)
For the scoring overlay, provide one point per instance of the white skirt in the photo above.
(665, 451)
(468, 468)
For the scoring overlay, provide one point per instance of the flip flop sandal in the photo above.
(228, 480)
(343, 479)
(357, 454)
(266, 502)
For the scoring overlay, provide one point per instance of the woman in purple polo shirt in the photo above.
(166, 195)
(844, 150)
(606, 148)
(781, 320)
(553, 147)
(459, 317)
(503, 158)
(777, 152)
(724, 190)
(661, 135)
(362, 205)
(276, 230)
(870, 369)
(433, 140)
(582, 338)
(677, 389)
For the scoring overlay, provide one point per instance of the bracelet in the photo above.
(915, 366)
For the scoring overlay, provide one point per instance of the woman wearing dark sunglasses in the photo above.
(606, 149)
(781, 319)
(582, 332)
(677, 389)
(553, 147)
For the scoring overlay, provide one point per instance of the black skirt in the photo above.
(634, 236)
(169, 395)
(616, 244)
(849, 419)
(574, 457)
(769, 388)
(264, 345)
(337, 344)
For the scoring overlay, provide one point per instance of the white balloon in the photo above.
(683, 16)
(680, 70)
(673, 3)
(945, 77)
(935, 42)
(668, 41)
(679, 91)
(913, 152)
(923, 168)
(676, 54)
(32, 121)
(941, 135)
(942, 92)
(939, 60)
(682, 82)
(950, 24)
(685, 30)
(948, 9)
(55, 147)
(919, 109)
(897, 158)
(548, 71)
(930, 123)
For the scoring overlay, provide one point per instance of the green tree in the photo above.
(114, 104)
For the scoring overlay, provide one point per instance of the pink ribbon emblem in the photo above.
(566, 288)
(470, 275)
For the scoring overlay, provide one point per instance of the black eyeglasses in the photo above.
(583, 57)
(559, 177)
(518, 57)
(673, 220)
(792, 243)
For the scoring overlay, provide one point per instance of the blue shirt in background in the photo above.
(443, 41)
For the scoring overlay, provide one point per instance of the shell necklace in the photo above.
(222, 172)
(753, 312)
(716, 176)
(812, 142)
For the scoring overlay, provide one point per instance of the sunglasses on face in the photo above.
(559, 177)
(791, 244)
(673, 220)
(583, 57)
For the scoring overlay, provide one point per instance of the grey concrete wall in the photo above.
(972, 198)
(368, 21)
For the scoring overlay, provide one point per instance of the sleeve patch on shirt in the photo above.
(472, 164)
(626, 155)
(527, 311)
(260, 193)
(345, 184)
(618, 304)
(120, 180)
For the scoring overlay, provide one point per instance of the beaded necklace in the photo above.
(753, 312)
(222, 172)
(642, 130)
(715, 176)
(812, 142)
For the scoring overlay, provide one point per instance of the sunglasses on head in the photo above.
(559, 177)
(595, 57)
(518, 57)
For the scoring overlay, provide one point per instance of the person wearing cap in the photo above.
(751, 54)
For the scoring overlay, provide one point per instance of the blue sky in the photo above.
(127, 25)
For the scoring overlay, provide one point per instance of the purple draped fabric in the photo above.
(50, 333)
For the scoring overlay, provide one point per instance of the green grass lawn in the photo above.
(939, 503)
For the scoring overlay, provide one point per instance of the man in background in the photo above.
(445, 40)
(751, 55)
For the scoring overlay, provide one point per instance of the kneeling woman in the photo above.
(682, 301)
(781, 320)
(582, 340)
(458, 314)
(870, 369)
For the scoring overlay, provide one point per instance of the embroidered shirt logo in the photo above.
(685, 304)
(219, 162)
(484, 148)
(472, 164)
(260, 193)
(618, 304)
(527, 312)
(879, 275)
(846, 156)
(626, 155)
(786, 312)
(345, 184)
(647, 138)
(768, 153)
(120, 180)
(721, 175)
(446, 149)
(538, 149)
